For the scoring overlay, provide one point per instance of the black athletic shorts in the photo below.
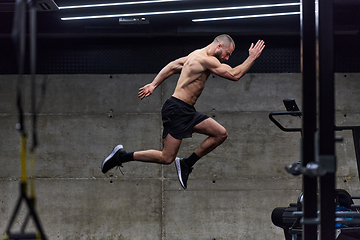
(179, 118)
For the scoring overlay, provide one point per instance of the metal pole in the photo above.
(356, 136)
(308, 69)
(326, 118)
(33, 50)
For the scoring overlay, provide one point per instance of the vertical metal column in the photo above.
(308, 69)
(356, 136)
(326, 119)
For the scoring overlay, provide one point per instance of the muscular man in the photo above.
(180, 119)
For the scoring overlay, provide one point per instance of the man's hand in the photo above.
(255, 51)
(146, 91)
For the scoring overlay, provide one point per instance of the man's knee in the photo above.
(222, 135)
(168, 160)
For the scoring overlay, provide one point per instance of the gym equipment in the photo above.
(290, 219)
(313, 169)
(318, 159)
(347, 221)
(19, 38)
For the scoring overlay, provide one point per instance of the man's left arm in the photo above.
(234, 74)
(254, 52)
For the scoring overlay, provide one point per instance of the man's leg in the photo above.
(217, 135)
(168, 154)
(171, 147)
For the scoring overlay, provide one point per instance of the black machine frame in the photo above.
(318, 158)
(290, 218)
(355, 130)
(317, 66)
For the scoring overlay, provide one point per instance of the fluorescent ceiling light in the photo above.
(181, 11)
(246, 16)
(116, 4)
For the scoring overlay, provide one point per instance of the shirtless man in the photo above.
(180, 119)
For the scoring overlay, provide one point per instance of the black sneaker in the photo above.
(113, 159)
(183, 171)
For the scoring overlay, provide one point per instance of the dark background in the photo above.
(103, 46)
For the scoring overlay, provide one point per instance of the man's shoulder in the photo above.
(200, 56)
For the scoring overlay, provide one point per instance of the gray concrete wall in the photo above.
(231, 192)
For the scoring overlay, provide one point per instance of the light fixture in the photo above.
(115, 4)
(180, 11)
(245, 16)
(132, 21)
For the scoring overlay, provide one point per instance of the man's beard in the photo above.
(217, 55)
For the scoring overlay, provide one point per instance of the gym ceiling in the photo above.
(175, 17)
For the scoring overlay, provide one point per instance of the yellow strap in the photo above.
(23, 159)
(32, 175)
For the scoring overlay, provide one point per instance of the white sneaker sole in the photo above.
(117, 148)
(178, 168)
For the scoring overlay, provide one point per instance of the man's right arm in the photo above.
(166, 72)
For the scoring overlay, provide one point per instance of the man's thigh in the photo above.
(209, 127)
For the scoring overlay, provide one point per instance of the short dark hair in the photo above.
(225, 39)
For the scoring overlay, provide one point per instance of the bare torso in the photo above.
(192, 78)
